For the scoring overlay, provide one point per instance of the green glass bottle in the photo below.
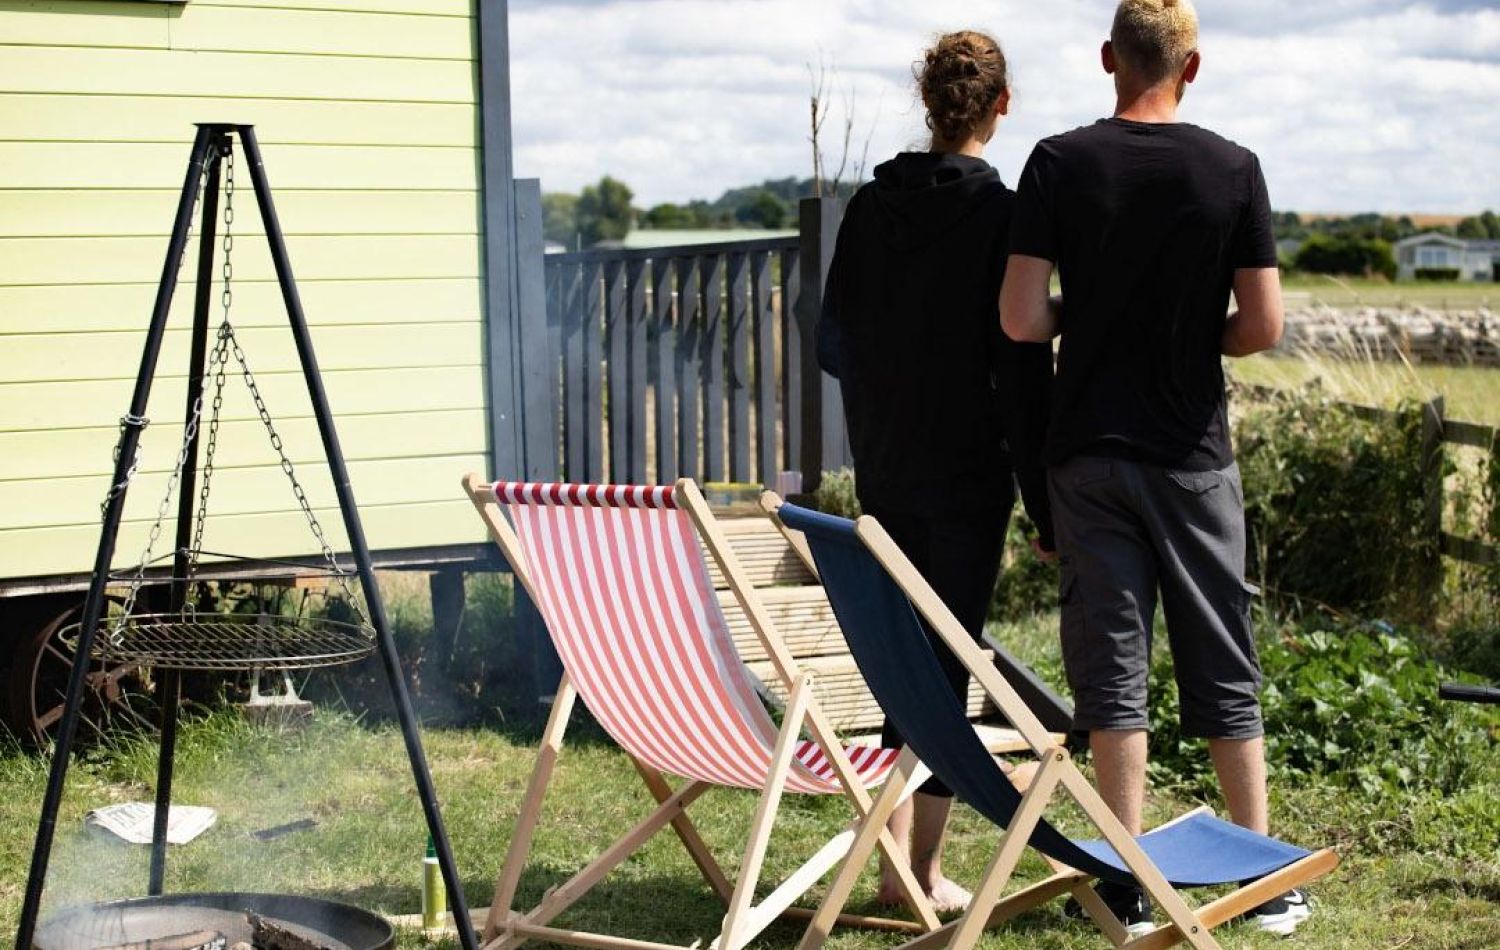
(434, 895)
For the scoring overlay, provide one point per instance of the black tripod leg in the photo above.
(387, 646)
(171, 682)
(93, 605)
(171, 694)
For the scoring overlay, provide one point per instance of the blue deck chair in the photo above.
(876, 595)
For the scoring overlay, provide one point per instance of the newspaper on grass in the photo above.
(132, 821)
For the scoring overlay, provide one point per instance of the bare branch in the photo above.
(864, 153)
(819, 82)
(838, 176)
(821, 79)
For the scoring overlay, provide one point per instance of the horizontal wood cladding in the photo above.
(260, 490)
(366, 112)
(41, 454)
(61, 358)
(159, 166)
(68, 548)
(163, 72)
(87, 308)
(169, 117)
(107, 260)
(148, 213)
(88, 403)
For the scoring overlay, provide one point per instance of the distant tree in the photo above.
(1287, 225)
(604, 211)
(1368, 226)
(765, 210)
(1346, 254)
(672, 217)
(710, 215)
(560, 218)
(1471, 228)
(1479, 227)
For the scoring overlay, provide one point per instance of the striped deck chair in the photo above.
(619, 578)
(873, 589)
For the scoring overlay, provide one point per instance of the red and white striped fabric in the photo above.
(627, 600)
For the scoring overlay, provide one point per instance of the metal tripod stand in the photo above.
(211, 146)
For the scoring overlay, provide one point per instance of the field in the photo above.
(1304, 289)
(1469, 393)
(351, 778)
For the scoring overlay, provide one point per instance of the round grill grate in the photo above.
(189, 641)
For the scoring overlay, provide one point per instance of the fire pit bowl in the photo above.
(118, 923)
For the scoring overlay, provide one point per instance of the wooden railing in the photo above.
(668, 360)
(694, 360)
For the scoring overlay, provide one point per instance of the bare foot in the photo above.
(947, 897)
(890, 893)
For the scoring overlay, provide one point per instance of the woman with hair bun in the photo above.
(945, 415)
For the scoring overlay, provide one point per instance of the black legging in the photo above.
(960, 558)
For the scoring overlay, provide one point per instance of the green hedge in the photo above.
(1436, 273)
(1336, 506)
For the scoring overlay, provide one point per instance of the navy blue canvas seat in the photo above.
(892, 650)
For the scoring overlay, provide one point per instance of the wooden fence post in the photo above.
(824, 441)
(1432, 482)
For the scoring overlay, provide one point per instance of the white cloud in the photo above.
(1351, 104)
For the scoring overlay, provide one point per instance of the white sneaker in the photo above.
(1280, 915)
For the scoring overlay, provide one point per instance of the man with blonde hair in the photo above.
(1151, 222)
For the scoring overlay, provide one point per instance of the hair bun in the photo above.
(961, 77)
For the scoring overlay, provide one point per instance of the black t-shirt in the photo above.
(1147, 224)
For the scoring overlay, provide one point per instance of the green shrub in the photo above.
(835, 494)
(1336, 505)
(1356, 707)
(1027, 584)
(1346, 254)
(1436, 273)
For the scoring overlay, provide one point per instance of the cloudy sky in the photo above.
(1352, 105)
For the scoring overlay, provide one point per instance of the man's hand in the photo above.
(1026, 313)
(1042, 554)
(1256, 326)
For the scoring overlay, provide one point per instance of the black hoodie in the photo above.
(941, 405)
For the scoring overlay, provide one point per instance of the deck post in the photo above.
(824, 441)
(540, 436)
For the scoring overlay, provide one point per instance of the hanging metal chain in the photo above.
(217, 365)
(290, 471)
(138, 577)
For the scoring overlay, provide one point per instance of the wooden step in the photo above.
(762, 551)
(802, 617)
(843, 695)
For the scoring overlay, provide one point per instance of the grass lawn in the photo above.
(1470, 393)
(351, 777)
(1364, 292)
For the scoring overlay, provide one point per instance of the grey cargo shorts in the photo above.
(1126, 530)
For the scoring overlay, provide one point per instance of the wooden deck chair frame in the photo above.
(506, 928)
(1056, 771)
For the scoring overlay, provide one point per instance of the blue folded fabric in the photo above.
(893, 652)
